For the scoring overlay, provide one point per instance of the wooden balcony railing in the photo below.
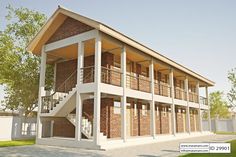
(193, 97)
(162, 89)
(180, 93)
(140, 83)
(111, 76)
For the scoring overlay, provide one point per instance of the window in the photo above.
(135, 110)
(28, 129)
(117, 107)
(164, 109)
(157, 110)
(144, 109)
(179, 110)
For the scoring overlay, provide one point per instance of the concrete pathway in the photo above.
(170, 148)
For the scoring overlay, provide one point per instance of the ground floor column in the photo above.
(41, 90)
(96, 122)
(78, 117)
(152, 119)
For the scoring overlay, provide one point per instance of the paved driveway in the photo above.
(149, 150)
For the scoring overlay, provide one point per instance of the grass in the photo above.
(16, 143)
(232, 154)
(226, 133)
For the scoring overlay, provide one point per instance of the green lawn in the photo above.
(226, 133)
(16, 143)
(232, 154)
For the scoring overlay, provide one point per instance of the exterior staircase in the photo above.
(63, 100)
(86, 128)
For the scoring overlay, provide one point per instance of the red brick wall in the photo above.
(69, 28)
(110, 123)
(140, 124)
(197, 120)
(158, 119)
(179, 120)
(63, 128)
(164, 120)
(194, 120)
(63, 71)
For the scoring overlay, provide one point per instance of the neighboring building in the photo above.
(15, 126)
(109, 90)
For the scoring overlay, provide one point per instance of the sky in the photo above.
(200, 35)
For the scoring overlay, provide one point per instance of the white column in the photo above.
(173, 121)
(97, 93)
(209, 107)
(79, 102)
(152, 103)
(199, 109)
(123, 99)
(41, 90)
(80, 62)
(187, 108)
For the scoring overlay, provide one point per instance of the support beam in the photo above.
(123, 99)
(209, 108)
(199, 109)
(152, 103)
(173, 121)
(97, 93)
(41, 90)
(187, 108)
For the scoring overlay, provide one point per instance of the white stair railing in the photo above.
(86, 125)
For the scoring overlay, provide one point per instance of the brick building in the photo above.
(110, 90)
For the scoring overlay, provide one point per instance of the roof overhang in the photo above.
(60, 15)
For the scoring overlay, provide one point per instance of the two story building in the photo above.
(111, 91)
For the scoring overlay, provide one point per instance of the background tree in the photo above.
(219, 108)
(232, 93)
(19, 69)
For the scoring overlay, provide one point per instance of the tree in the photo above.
(19, 69)
(232, 93)
(218, 105)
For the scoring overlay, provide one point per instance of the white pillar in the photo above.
(79, 102)
(123, 99)
(97, 93)
(41, 90)
(173, 121)
(187, 108)
(152, 102)
(80, 62)
(209, 108)
(199, 109)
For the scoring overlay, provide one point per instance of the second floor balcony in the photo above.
(139, 82)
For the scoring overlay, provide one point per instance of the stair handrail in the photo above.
(64, 82)
(50, 98)
(89, 74)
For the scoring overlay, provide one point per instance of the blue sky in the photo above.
(197, 34)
